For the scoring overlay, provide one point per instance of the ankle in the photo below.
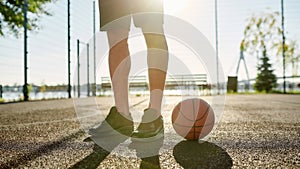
(153, 110)
(150, 115)
(155, 107)
(124, 112)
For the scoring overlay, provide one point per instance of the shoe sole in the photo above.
(148, 139)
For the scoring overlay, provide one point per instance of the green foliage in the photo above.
(29, 88)
(262, 31)
(291, 52)
(43, 88)
(11, 15)
(266, 79)
(289, 92)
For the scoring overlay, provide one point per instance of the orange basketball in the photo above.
(193, 119)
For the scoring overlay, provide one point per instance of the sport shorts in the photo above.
(117, 14)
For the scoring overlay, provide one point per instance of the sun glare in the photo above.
(174, 6)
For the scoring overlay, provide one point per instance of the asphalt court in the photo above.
(255, 130)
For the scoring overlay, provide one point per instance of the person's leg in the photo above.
(157, 50)
(118, 124)
(149, 15)
(151, 127)
(119, 67)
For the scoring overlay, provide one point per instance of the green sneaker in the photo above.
(114, 122)
(150, 129)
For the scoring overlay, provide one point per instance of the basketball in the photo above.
(193, 119)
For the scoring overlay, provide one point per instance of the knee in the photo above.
(155, 38)
(117, 38)
(156, 41)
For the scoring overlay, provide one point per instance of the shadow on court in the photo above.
(191, 154)
(146, 151)
(93, 160)
(35, 153)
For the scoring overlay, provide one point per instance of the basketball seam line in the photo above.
(180, 125)
(196, 119)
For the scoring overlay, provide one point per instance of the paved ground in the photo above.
(255, 131)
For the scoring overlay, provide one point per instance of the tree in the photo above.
(264, 32)
(266, 79)
(43, 88)
(11, 15)
(292, 56)
(261, 33)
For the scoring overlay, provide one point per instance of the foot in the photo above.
(114, 130)
(151, 127)
(114, 121)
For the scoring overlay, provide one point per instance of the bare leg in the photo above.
(152, 127)
(157, 66)
(119, 67)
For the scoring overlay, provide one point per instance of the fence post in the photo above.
(1, 91)
(78, 70)
(94, 32)
(88, 69)
(283, 46)
(69, 52)
(25, 90)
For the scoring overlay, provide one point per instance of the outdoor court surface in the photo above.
(255, 131)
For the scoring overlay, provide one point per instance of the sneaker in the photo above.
(114, 122)
(114, 130)
(150, 129)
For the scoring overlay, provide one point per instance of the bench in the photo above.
(173, 82)
(134, 82)
(186, 81)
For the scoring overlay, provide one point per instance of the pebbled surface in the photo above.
(255, 131)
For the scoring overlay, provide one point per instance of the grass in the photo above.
(2, 100)
(289, 92)
(264, 92)
(247, 92)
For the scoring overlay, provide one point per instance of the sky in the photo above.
(47, 58)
